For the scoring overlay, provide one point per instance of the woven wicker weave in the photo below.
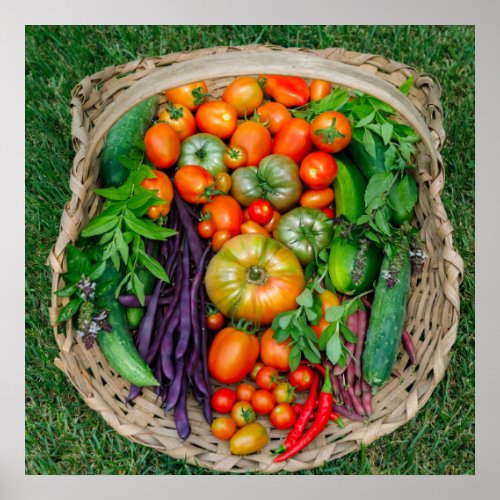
(433, 309)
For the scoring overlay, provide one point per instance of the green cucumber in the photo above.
(349, 187)
(121, 138)
(387, 318)
(367, 164)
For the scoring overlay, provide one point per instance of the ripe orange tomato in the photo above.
(165, 191)
(225, 213)
(283, 416)
(267, 378)
(255, 138)
(223, 400)
(263, 402)
(217, 118)
(318, 170)
(320, 89)
(180, 119)
(317, 198)
(232, 355)
(215, 321)
(284, 393)
(223, 428)
(243, 413)
(294, 140)
(190, 95)
(274, 353)
(191, 181)
(163, 145)
(273, 223)
(331, 132)
(291, 91)
(256, 368)
(244, 94)
(328, 299)
(205, 229)
(251, 227)
(219, 238)
(235, 157)
(223, 182)
(244, 392)
(274, 115)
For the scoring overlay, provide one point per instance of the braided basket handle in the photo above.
(257, 62)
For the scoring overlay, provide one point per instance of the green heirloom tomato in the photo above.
(204, 150)
(276, 179)
(305, 231)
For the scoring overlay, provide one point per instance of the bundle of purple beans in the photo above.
(352, 394)
(172, 336)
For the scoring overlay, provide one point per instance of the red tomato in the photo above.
(165, 191)
(215, 321)
(291, 91)
(190, 95)
(267, 378)
(205, 229)
(274, 353)
(318, 170)
(331, 132)
(301, 378)
(273, 223)
(244, 392)
(217, 118)
(328, 212)
(255, 138)
(317, 198)
(244, 94)
(328, 299)
(232, 355)
(180, 119)
(246, 215)
(225, 213)
(235, 157)
(283, 416)
(223, 428)
(293, 140)
(223, 400)
(191, 181)
(274, 115)
(256, 368)
(320, 89)
(223, 182)
(219, 238)
(251, 227)
(163, 145)
(243, 413)
(260, 211)
(284, 393)
(263, 402)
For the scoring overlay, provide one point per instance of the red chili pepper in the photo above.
(322, 418)
(335, 417)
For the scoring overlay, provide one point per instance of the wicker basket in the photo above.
(433, 310)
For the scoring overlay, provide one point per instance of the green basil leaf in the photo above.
(351, 306)
(305, 299)
(407, 192)
(366, 120)
(294, 358)
(128, 162)
(101, 224)
(69, 310)
(333, 348)
(280, 335)
(97, 270)
(153, 266)
(407, 84)
(312, 316)
(78, 262)
(138, 288)
(309, 271)
(284, 320)
(115, 194)
(140, 145)
(380, 105)
(67, 291)
(372, 236)
(326, 335)
(386, 134)
(147, 228)
(382, 224)
(377, 186)
(369, 143)
(311, 353)
(390, 156)
(334, 313)
(121, 246)
(363, 219)
(347, 333)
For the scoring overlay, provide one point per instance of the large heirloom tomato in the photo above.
(232, 355)
(204, 150)
(276, 179)
(254, 278)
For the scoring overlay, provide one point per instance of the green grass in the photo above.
(63, 436)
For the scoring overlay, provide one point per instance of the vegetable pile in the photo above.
(254, 251)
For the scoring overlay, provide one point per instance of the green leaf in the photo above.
(377, 186)
(324, 255)
(351, 306)
(363, 219)
(140, 145)
(407, 84)
(381, 222)
(347, 333)
(332, 102)
(326, 335)
(305, 299)
(121, 246)
(101, 224)
(380, 105)
(390, 156)
(67, 291)
(78, 262)
(311, 352)
(407, 192)
(333, 348)
(153, 266)
(369, 143)
(294, 358)
(406, 150)
(138, 288)
(97, 270)
(137, 176)
(334, 313)
(284, 320)
(128, 162)
(280, 335)
(366, 120)
(386, 130)
(147, 228)
(372, 236)
(121, 193)
(69, 310)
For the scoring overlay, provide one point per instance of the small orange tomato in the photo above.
(180, 119)
(219, 238)
(255, 138)
(331, 132)
(223, 182)
(246, 215)
(274, 353)
(328, 299)
(251, 227)
(320, 89)
(267, 378)
(255, 370)
(243, 413)
(263, 402)
(215, 321)
(190, 95)
(244, 392)
(235, 157)
(163, 145)
(273, 223)
(217, 118)
(223, 428)
(318, 170)
(165, 191)
(274, 115)
(191, 181)
(317, 198)
(284, 393)
(205, 228)
(283, 416)
(244, 94)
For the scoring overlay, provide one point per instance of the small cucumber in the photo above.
(349, 187)
(367, 164)
(387, 318)
(121, 138)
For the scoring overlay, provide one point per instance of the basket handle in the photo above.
(257, 62)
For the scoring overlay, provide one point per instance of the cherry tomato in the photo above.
(274, 115)
(219, 238)
(260, 211)
(223, 428)
(225, 213)
(217, 118)
(235, 157)
(223, 400)
(244, 94)
(223, 182)
(163, 145)
(318, 170)
(320, 89)
(251, 227)
(246, 215)
(255, 370)
(191, 181)
(243, 413)
(190, 95)
(283, 416)
(284, 393)
(244, 392)
(205, 228)
(274, 353)
(331, 132)
(267, 378)
(263, 402)
(273, 223)
(293, 140)
(180, 119)
(317, 198)
(301, 378)
(328, 212)
(255, 138)
(291, 91)
(215, 321)
(165, 191)
(328, 299)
